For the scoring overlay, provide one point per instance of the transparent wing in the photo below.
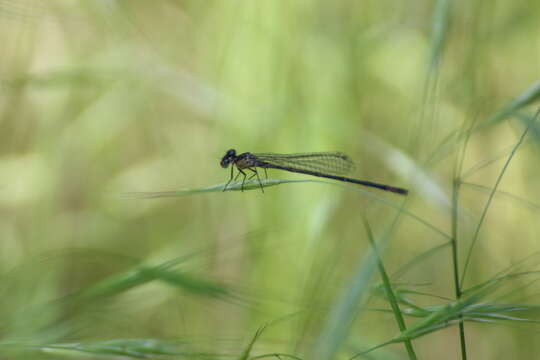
(333, 163)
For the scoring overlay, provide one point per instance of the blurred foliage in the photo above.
(104, 103)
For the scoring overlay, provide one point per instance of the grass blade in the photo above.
(388, 289)
(490, 199)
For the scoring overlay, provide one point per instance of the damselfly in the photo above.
(330, 165)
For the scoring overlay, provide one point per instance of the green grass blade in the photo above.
(388, 289)
(247, 350)
(141, 275)
(450, 142)
(439, 32)
(529, 96)
(499, 193)
(130, 348)
(254, 185)
(345, 310)
(233, 186)
(490, 199)
(417, 260)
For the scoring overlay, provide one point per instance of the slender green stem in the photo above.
(455, 234)
(455, 262)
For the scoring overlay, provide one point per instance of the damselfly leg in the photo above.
(255, 173)
(243, 180)
(230, 179)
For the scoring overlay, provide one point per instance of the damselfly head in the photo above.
(228, 158)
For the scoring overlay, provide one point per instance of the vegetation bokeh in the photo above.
(103, 101)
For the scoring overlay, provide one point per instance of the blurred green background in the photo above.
(103, 98)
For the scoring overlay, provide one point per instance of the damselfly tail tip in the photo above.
(399, 191)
